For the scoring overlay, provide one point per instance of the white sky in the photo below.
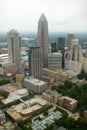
(62, 15)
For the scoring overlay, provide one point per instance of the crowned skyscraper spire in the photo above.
(42, 17)
(43, 38)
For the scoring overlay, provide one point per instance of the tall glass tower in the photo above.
(43, 38)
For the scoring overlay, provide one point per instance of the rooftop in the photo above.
(69, 99)
(26, 107)
(13, 96)
(35, 81)
(47, 121)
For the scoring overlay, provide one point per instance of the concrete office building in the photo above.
(35, 62)
(43, 38)
(70, 37)
(54, 61)
(61, 47)
(37, 86)
(14, 50)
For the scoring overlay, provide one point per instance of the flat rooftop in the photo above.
(8, 87)
(35, 81)
(13, 96)
(41, 125)
(26, 107)
(69, 99)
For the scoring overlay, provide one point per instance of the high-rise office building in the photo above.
(35, 62)
(70, 37)
(54, 61)
(74, 59)
(43, 38)
(61, 47)
(53, 47)
(14, 49)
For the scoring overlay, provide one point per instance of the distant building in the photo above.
(43, 38)
(84, 64)
(84, 46)
(74, 42)
(53, 47)
(58, 75)
(35, 62)
(36, 85)
(68, 103)
(7, 67)
(54, 61)
(70, 37)
(73, 59)
(14, 49)
(61, 47)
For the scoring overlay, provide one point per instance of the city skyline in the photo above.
(69, 15)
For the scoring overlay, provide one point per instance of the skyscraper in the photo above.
(61, 47)
(53, 47)
(43, 38)
(35, 62)
(70, 37)
(14, 50)
(54, 61)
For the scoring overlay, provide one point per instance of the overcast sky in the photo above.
(62, 15)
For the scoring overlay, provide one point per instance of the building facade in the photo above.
(54, 61)
(37, 86)
(35, 62)
(14, 50)
(43, 38)
(74, 42)
(68, 103)
(74, 59)
(61, 47)
(70, 37)
(53, 47)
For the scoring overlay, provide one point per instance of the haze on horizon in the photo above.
(62, 15)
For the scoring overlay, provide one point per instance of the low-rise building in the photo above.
(27, 108)
(42, 124)
(85, 114)
(59, 75)
(67, 102)
(14, 96)
(51, 95)
(36, 85)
